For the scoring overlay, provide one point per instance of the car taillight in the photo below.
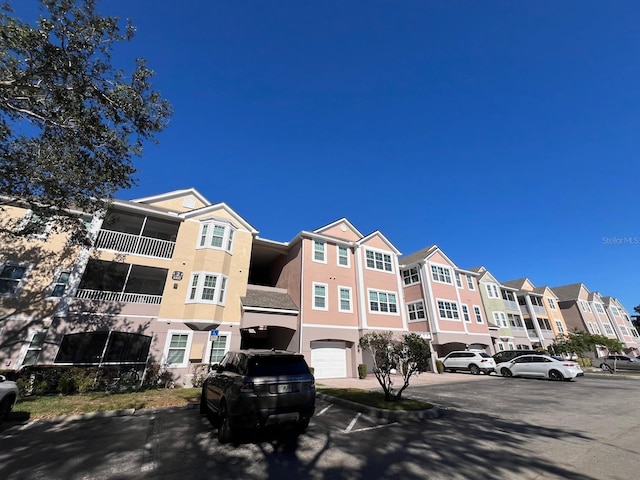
(246, 387)
(568, 364)
(484, 360)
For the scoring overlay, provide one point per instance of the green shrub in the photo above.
(362, 371)
(439, 366)
(584, 362)
(67, 385)
(200, 372)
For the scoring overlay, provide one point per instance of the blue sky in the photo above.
(505, 132)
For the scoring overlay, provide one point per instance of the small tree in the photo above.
(580, 342)
(409, 356)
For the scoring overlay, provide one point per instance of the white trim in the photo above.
(381, 252)
(452, 303)
(463, 307)
(330, 327)
(313, 296)
(475, 314)
(315, 242)
(21, 281)
(187, 350)
(226, 333)
(270, 310)
(444, 267)
(219, 295)
(350, 290)
(424, 311)
(348, 265)
(380, 312)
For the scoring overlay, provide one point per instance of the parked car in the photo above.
(253, 389)
(469, 360)
(540, 366)
(8, 397)
(612, 363)
(507, 355)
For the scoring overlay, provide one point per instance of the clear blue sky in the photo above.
(506, 132)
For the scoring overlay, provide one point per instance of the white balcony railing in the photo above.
(122, 297)
(511, 305)
(136, 244)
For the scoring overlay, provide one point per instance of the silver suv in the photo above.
(252, 389)
(8, 397)
(470, 360)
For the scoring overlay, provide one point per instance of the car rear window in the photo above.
(273, 366)
(485, 355)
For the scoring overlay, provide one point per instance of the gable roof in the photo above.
(342, 220)
(417, 256)
(173, 194)
(380, 235)
(568, 292)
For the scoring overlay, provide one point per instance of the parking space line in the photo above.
(324, 409)
(372, 428)
(353, 422)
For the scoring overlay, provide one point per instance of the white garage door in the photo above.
(329, 359)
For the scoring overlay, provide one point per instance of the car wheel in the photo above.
(555, 375)
(505, 372)
(606, 368)
(225, 434)
(303, 425)
(5, 408)
(474, 369)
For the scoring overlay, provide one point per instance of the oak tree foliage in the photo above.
(71, 123)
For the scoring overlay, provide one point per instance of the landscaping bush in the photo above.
(362, 371)
(200, 372)
(584, 362)
(440, 366)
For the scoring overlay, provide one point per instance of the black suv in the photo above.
(508, 355)
(252, 389)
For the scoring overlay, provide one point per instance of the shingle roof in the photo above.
(416, 256)
(268, 299)
(567, 292)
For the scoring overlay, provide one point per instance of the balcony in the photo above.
(134, 244)
(511, 305)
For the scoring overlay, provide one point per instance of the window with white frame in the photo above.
(416, 311)
(344, 294)
(378, 261)
(544, 323)
(216, 235)
(615, 311)
(492, 290)
(320, 296)
(585, 306)
(515, 321)
(458, 281)
(319, 251)
(478, 315)
(607, 328)
(207, 287)
(219, 345)
(623, 330)
(441, 274)
(410, 277)
(465, 313)
(596, 328)
(634, 332)
(500, 319)
(383, 302)
(559, 326)
(470, 282)
(59, 284)
(598, 306)
(34, 225)
(34, 348)
(500, 346)
(552, 304)
(176, 348)
(343, 256)
(12, 277)
(448, 310)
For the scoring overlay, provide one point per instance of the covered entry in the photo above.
(329, 359)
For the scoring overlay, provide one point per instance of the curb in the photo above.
(395, 415)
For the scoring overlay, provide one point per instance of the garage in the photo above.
(329, 359)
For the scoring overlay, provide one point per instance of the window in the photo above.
(416, 311)
(33, 224)
(465, 314)
(585, 306)
(59, 284)
(623, 330)
(458, 281)
(607, 328)
(544, 324)
(500, 319)
(441, 274)
(383, 302)
(598, 306)
(634, 332)
(410, 276)
(218, 347)
(492, 290)
(216, 235)
(344, 293)
(508, 296)
(207, 287)
(596, 328)
(37, 340)
(559, 326)
(378, 261)
(343, 256)
(552, 304)
(615, 311)
(515, 321)
(176, 350)
(320, 296)
(448, 309)
(11, 278)
(319, 251)
(118, 348)
(470, 282)
(478, 315)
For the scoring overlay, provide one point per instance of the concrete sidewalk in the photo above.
(371, 383)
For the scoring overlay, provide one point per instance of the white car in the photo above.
(8, 396)
(470, 360)
(540, 366)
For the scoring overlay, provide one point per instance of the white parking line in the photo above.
(353, 422)
(324, 410)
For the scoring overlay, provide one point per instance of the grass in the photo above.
(49, 406)
(375, 399)
(53, 405)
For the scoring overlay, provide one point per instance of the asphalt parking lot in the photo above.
(492, 427)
